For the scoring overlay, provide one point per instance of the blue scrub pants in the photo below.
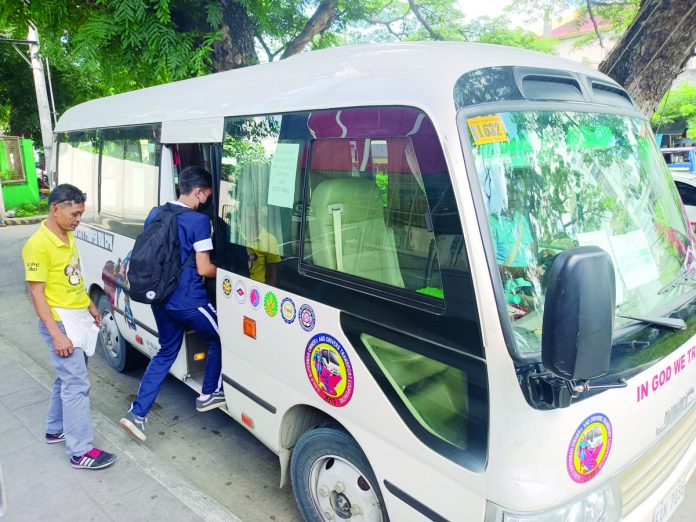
(171, 325)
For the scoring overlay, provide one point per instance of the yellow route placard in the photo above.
(487, 129)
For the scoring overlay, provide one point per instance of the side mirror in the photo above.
(579, 314)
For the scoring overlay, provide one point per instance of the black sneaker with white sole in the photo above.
(93, 459)
(214, 400)
(134, 426)
(55, 438)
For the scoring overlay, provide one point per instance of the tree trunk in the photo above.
(236, 47)
(653, 51)
(321, 20)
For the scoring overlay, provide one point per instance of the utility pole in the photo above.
(41, 95)
(42, 102)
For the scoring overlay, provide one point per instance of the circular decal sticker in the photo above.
(227, 287)
(240, 291)
(306, 318)
(589, 448)
(270, 304)
(329, 370)
(287, 310)
(255, 298)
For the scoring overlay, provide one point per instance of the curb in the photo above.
(22, 221)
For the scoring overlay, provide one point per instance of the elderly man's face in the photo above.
(67, 215)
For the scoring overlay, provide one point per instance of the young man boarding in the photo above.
(187, 308)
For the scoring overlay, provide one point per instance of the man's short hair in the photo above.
(66, 192)
(194, 177)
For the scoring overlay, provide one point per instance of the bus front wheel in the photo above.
(332, 479)
(111, 343)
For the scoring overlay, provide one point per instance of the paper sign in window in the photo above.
(635, 261)
(281, 189)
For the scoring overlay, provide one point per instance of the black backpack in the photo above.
(154, 268)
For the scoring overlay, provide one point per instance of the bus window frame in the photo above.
(520, 359)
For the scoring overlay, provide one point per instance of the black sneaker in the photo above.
(134, 426)
(55, 438)
(93, 459)
(214, 400)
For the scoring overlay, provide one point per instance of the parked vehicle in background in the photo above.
(686, 185)
(681, 159)
(452, 278)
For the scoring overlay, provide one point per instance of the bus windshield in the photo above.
(554, 180)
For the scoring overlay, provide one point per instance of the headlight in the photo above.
(600, 505)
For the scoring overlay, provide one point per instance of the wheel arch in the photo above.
(296, 421)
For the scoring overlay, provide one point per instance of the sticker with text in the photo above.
(270, 304)
(306, 318)
(240, 291)
(329, 370)
(254, 298)
(227, 286)
(487, 129)
(589, 448)
(287, 310)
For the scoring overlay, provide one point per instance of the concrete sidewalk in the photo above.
(40, 484)
(5, 222)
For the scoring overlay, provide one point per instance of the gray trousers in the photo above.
(68, 407)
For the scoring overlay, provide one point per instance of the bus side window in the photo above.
(369, 213)
(260, 182)
(128, 178)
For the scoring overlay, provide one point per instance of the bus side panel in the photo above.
(272, 362)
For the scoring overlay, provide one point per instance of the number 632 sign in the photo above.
(486, 129)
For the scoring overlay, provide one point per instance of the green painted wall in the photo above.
(14, 194)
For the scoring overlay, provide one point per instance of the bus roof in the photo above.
(415, 74)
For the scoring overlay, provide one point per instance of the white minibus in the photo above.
(455, 280)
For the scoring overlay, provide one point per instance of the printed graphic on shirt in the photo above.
(33, 266)
(589, 448)
(306, 318)
(270, 304)
(73, 272)
(329, 370)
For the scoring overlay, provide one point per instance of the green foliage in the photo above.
(27, 209)
(678, 104)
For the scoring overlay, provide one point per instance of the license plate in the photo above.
(669, 504)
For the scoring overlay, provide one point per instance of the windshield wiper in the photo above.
(669, 322)
(688, 277)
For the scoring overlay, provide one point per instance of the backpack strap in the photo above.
(176, 210)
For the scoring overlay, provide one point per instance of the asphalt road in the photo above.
(211, 450)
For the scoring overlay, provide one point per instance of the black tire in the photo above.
(111, 344)
(330, 473)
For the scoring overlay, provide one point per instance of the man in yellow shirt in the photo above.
(57, 291)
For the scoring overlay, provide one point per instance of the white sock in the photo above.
(204, 397)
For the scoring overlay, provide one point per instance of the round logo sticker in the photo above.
(227, 286)
(255, 298)
(287, 310)
(270, 304)
(306, 318)
(589, 448)
(240, 291)
(329, 370)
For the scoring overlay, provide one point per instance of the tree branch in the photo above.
(434, 34)
(269, 53)
(594, 23)
(321, 20)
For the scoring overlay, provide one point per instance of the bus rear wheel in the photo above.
(332, 479)
(111, 343)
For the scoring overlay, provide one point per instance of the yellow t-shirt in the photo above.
(262, 252)
(48, 260)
